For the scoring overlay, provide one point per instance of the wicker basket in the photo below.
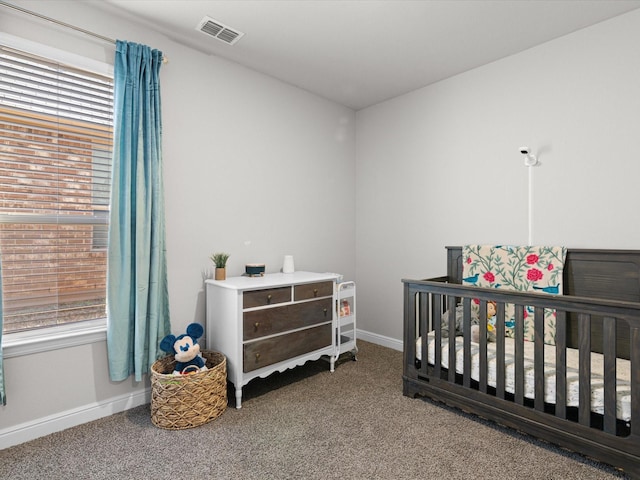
(187, 401)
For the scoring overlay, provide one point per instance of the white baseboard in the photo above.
(379, 339)
(27, 431)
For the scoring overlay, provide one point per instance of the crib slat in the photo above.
(437, 353)
(483, 346)
(500, 368)
(466, 360)
(634, 354)
(519, 354)
(451, 306)
(538, 358)
(424, 328)
(584, 362)
(410, 299)
(561, 364)
(609, 351)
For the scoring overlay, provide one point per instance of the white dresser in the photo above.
(271, 323)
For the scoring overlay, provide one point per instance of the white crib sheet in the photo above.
(623, 370)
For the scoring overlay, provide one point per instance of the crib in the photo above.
(583, 393)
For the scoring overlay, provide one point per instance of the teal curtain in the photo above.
(137, 293)
(3, 395)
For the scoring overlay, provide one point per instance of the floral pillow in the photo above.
(536, 268)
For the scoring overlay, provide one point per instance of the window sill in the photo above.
(53, 338)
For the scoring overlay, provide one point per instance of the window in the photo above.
(56, 125)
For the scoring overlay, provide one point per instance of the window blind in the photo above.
(56, 125)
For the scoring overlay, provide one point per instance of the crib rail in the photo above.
(426, 300)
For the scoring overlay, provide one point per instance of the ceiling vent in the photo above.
(219, 30)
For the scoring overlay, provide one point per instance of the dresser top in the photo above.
(272, 280)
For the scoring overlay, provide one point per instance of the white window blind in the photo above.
(56, 125)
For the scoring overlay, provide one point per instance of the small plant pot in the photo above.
(221, 273)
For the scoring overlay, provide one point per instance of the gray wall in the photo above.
(253, 167)
(441, 165)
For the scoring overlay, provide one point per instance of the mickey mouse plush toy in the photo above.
(186, 349)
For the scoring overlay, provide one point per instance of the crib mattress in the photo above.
(623, 371)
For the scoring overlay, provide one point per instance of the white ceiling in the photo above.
(361, 52)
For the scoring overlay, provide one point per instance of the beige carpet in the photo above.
(305, 423)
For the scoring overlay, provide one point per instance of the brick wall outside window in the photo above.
(52, 272)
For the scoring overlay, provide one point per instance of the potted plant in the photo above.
(220, 261)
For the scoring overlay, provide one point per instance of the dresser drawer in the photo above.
(270, 296)
(283, 347)
(269, 321)
(313, 290)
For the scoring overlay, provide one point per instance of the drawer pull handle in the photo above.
(256, 325)
(315, 292)
(257, 357)
(325, 312)
(268, 298)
